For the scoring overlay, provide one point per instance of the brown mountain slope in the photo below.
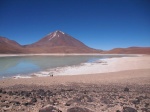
(130, 50)
(60, 42)
(9, 46)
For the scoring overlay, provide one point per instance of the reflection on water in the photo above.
(10, 66)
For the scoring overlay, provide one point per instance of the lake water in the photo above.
(18, 65)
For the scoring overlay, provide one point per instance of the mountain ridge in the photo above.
(55, 42)
(60, 42)
(129, 50)
(9, 46)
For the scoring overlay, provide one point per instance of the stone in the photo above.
(68, 103)
(10, 93)
(106, 100)
(7, 108)
(4, 92)
(41, 92)
(129, 109)
(49, 108)
(146, 104)
(27, 104)
(49, 93)
(3, 100)
(136, 101)
(87, 98)
(78, 109)
(144, 109)
(126, 89)
(33, 100)
(15, 102)
(25, 93)
(1, 90)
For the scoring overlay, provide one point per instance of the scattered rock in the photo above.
(33, 100)
(81, 99)
(78, 109)
(49, 93)
(121, 97)
(129, 109)
(1, 90)
(126, 89)
(7, 108)
(41, 92)
(87, 98)
(4, 92)
(53, 101)
(10, 93)
(136, 101)
(144, 109)
(106, 100)
(5, 105)
(15, 103)
(146, 104)
(3, 100)
(68, 103)
(27, 103)
(49, 108)
(25, 93)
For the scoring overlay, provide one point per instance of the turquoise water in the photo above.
(10, 66)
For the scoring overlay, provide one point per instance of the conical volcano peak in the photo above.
(59, 41)
(58, 31)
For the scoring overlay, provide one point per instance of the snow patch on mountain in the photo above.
(51, 38)
(54, 34)
(62, 32)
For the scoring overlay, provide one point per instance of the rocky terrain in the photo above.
(75, 98)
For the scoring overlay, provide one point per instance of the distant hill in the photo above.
(9, 46)
(129, 50)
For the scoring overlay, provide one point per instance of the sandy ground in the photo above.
(112, 85)
(100, 66)
(106, 65)
(141, 77)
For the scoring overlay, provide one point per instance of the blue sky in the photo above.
(101, 24)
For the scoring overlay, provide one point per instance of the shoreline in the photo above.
(127, 77)
(55, 71)
(114, 64)
(61, 54)
(100, 66)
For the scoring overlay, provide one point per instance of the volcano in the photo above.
(59, 42)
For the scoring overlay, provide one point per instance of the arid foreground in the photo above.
(120, 91)
(130, 93)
